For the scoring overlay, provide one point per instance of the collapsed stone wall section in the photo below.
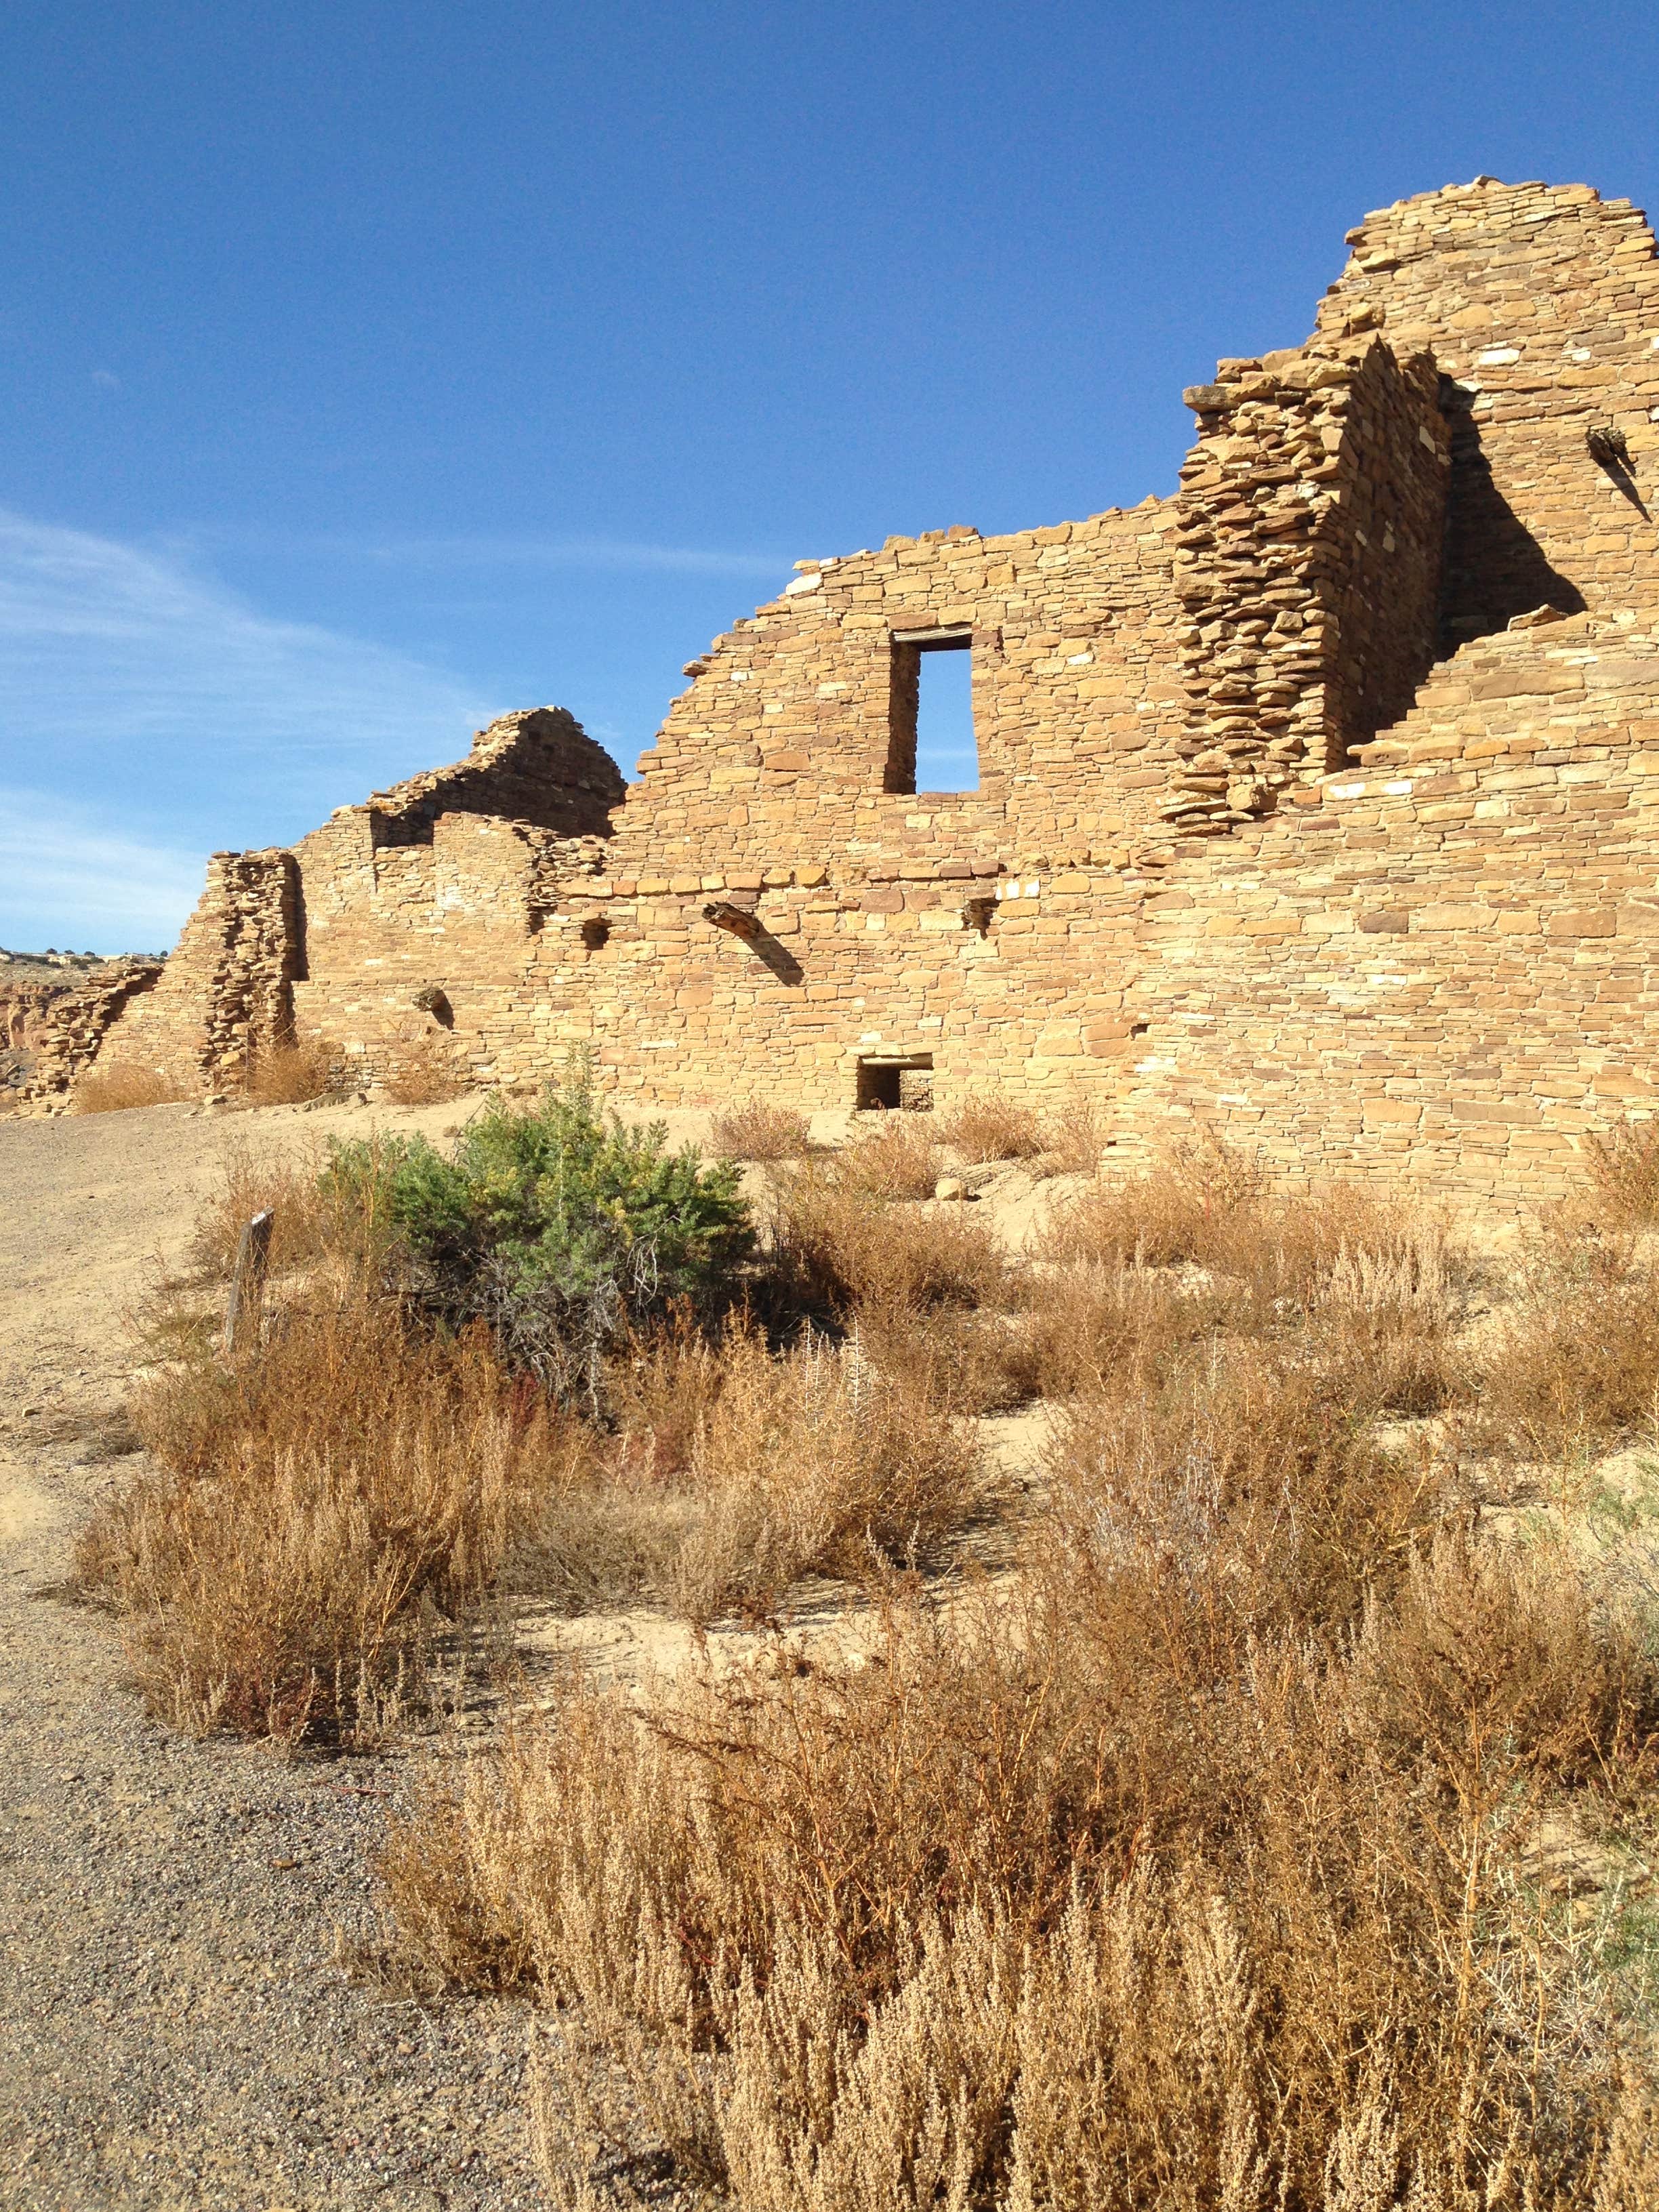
(1312, 514)
(1440, 958)
(539, 767)
(67, 1029)
(1541, 304)
(227, 988)
(790, 740)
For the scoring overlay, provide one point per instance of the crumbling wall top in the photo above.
(538, 765)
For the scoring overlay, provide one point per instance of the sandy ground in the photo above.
(174, 2032)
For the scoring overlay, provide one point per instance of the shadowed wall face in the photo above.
(1540, 306)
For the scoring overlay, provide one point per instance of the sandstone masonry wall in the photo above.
(1540, 305)
(226, 988)
(539, 767)
(781, 748)
(1312, 515)
(68, 1029)
(1241, 851)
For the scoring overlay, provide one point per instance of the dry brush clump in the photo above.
(1183, 1211)
(1571, 1365)
(288, 1072)
(755, 1130)
(933, 1294)
(429, 1072)
(902, 1160)
(733, 1471)
(989, 1127)
(1102, 1895)
(284, 1182)
(1353, 1280)
(1624, 1165)
(314, 1512)
(1074, 1134)
(837, 1244)
(116, 1089)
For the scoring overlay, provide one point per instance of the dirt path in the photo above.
(173, 2030)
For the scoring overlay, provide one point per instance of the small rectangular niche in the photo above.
(896, 1083)
(931, 744)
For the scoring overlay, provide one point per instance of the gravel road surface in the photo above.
(175, 2030)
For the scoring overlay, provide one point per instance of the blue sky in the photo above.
(369, 370)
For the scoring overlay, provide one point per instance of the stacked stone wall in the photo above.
(1540, 305)
(406, 944)
(227, 987)
(65, 1032)
(1416, 935)
(1312, 511)
(780, 751)
(1443, 962)
(539, 767)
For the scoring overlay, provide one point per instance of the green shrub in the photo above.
(560, 1227)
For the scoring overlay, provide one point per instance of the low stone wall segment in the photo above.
(65, 1034)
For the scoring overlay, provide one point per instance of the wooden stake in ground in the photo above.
(248, 1282)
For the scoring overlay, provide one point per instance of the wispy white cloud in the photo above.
(103, 645)
(69, 879)
(486, 550)
(105, 380)
(616, 553)
(145, 708)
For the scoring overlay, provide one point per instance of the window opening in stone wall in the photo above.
(889, 1084)
(930, 741)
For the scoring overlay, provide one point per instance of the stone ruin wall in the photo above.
(423, 879)
(50, 1032)
(1540, 305)
(1313, 511)
(227, 982)
(1243, 851)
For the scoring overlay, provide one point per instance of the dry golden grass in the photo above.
(991, 1127)
(839, 1244)
(317, 1509)
(1109, 1330)
(429, 1072)
(288, 1073)
(1240, 1474)
(901, 1161)
(757, 1132)
(1102, 1898)
(249, 1181)
(1181, 1212)
(1574, 1366)
(737, 1472)
(1185, 1867)
(1074, 1134)
(1624, 1167)
(1342, 1247)
(114, 1090)
(817, 1462)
